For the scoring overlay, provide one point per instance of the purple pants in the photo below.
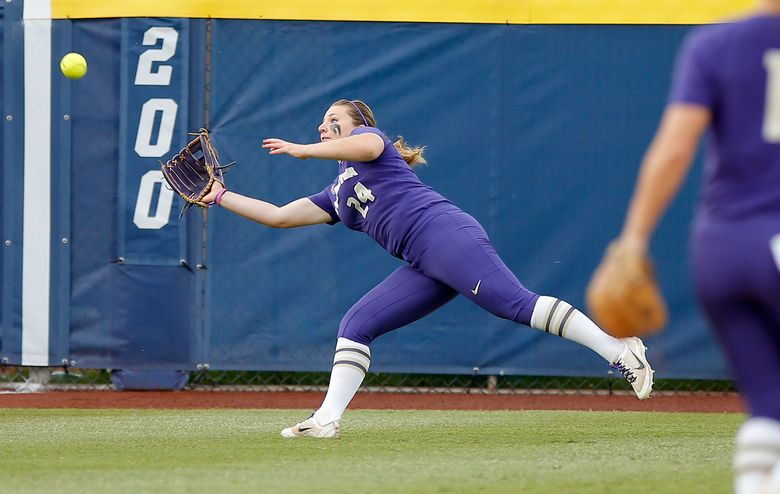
(738, 284)
(451, 256)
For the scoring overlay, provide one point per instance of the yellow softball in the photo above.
(73, 65)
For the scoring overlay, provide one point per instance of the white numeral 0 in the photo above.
(143, 205)
(143, 138)
(143, 74)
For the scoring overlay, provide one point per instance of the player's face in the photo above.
(335, 124)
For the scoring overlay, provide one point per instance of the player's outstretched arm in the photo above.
(664, 167)
(301, 212)
(361, 147)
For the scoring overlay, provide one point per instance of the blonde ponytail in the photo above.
(412, 155)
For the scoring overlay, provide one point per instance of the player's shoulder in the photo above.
(708, 36)
(388, 149)
(715, 36)
(369, 130)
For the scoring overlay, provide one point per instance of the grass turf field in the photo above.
(240, 451)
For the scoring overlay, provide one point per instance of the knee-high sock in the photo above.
(773, 485)
(758, 451)
(557, 317)
(350, 365)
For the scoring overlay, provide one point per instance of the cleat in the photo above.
(310, 428)
(634, 366)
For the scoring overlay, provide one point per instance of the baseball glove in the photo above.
(193, 170)
(623, 296)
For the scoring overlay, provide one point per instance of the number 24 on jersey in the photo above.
(364, 196)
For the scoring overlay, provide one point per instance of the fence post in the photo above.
(492, 384)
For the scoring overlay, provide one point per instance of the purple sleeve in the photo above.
(694, 78)
(324, 200)
(389, 149)
(372, 130)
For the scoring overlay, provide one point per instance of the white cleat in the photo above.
(634, 366)
(310, 428)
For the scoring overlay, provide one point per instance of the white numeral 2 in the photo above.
(143, 74)
(364, 195)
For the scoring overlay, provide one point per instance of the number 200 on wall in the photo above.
(148, 75)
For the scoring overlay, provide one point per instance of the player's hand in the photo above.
(279, 146)
(212, 194)
(623, 296)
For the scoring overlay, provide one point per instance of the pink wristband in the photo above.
(218, 199)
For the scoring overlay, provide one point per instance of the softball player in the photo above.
(727, 80)
(447, 253)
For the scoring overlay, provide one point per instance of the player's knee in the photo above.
(356, 328)
(765, 404)
(519, 307)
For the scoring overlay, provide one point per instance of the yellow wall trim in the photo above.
(461, 11)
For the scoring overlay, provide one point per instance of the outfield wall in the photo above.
(535, 129)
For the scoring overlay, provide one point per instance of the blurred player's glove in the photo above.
(193, 170)
(623, 296)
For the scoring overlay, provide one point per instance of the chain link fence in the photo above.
(33, 379)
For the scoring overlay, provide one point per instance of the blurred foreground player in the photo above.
(727, 79)
(447, 253)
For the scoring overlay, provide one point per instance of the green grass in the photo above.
(240, 451)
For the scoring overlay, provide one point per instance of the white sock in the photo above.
(758, 451)
(350, 365)
(773, 485)
(557, 317)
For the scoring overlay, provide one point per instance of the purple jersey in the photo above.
(383, 198)
(448, 251)
(734, 70)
